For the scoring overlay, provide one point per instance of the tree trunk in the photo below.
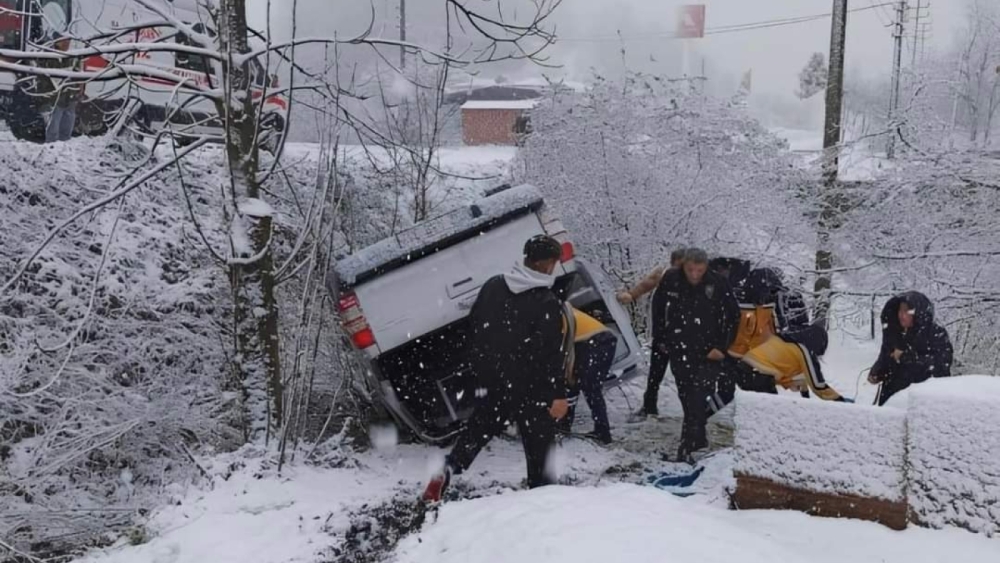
(258, 355)
(831, 160)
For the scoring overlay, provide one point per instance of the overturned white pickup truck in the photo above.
(404, 303)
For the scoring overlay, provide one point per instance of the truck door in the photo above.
(12, 28)
(590, 292)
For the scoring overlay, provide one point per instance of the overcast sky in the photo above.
(588, 32)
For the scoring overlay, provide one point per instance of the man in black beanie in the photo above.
(518, 358)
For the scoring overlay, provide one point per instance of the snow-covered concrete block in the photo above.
(833, 448)
(954, 453)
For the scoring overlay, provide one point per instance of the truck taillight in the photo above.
(355, 323)
(567, 252)
(363, 339)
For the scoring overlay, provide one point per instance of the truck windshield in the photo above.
(11, 25)
(50, 19)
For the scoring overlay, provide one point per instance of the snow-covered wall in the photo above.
(824, 447)
(954, 453)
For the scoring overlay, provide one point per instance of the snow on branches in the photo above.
(639, 167)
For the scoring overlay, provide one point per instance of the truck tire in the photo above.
(24, 119)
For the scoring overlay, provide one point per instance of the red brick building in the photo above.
(494, 122)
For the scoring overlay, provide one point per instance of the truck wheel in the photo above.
(24, 119)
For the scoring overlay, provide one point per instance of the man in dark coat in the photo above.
(696, 315)
(659, 360)
(519, 360)
(914, 347)
(64, 96)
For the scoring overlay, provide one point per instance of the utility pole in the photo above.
(897, 35)
(925, 30)
(920, 30)
(402, 33)
(831, 158)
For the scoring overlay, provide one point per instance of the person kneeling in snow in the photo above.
(914, 347)
(791, 360)
(593, 354)
(519, 360)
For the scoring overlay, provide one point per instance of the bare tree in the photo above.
(979, 70)
(273, 239)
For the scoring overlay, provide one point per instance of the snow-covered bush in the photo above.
(823, 447)
(929, 224)
(640, 167)
(954, 470)
(115, 343)
(112, 363)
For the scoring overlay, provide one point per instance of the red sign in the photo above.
(146, 35)
(691, 21)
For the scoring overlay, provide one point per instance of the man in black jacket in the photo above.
(518, 357)
(659, 360)
(914, 347)
(696, 315)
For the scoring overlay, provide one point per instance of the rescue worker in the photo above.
(652, 279)
(789, 359)
(734, 270)
(594, 352)
(768, 307)
(914, 347)
(518, 357)
(659, 358)
(696, 315)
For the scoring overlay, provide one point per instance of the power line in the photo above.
(886, 20)
(749, 26)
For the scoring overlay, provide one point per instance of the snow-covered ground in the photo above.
(857, 161)
(641, 524)
(609, 514)
(465, 172)
(249, 512)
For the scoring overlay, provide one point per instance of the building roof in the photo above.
(492, 93)
(499, 104)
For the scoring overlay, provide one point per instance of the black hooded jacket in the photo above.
(738, 272)
(765, 286)
(692, 320)
(517, 340)
(927, 350)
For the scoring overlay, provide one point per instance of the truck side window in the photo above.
(11, 23)
(195, 63)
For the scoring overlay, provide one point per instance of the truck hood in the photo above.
(521, 279)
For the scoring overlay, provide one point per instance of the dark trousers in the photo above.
(900, 377)
(490, 418)
(593, 362)
(750, 380)
(728, 379)
(735, 374)
(696, 381)
(657, 371)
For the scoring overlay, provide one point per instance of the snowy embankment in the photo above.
(928, 457)
(113, 344)
(954, 452)
(641, 524)
(832, 448)
(609, 515)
